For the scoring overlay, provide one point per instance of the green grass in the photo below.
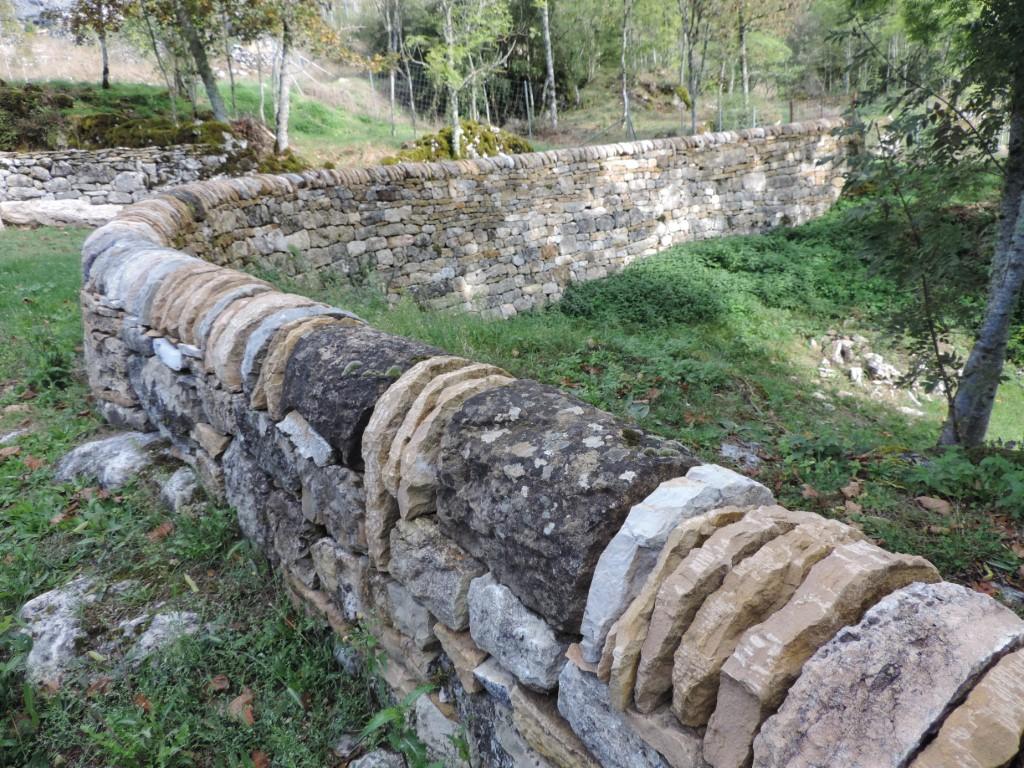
(163, 713)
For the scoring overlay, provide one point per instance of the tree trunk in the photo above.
(105, 82)
(198, 52)
(627, 118)
(684, 57)
(453, 91)
(744, 66)
(231, 68)
(284, 100)
(550, 61)
(172, 91)
(259, 76)
(972, 408)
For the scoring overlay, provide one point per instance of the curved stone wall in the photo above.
(504, 234)
(582, 593)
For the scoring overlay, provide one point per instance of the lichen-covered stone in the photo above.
(335, 376)
(344, 576)
(870, 695)
(266, 393)
(535, 483)
(332, 496)
(180, 489)
(436, 571)
(111, 461)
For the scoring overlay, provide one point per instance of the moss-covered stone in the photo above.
(478, 140)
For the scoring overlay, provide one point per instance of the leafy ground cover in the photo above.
(175, 709)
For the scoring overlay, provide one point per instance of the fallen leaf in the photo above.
(28, 394)
(96, 656)
(191, 584)
(853, 489)
(9, 451)
(59, 518)
(140, 701)
(219, 683)
(17, 408)
(852, 507)
(985, 587)
(260, 759)
(940, 530)
(98, 686)
(33, 462)
(161, 532)
(809, 493)
(1018, 548)
(932, 504)
(240, 707)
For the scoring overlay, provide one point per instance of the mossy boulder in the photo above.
(478, 140)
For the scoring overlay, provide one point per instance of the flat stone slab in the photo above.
(111, 461)
(56, 213)
(985, 731)
(752, 591)
(769, 657)
(536, 483)
(537, 719)
(870, 696)
(268, 389)
(336, 375)
(621, 653)
(53, 621)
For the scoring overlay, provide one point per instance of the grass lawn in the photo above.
(165, 713)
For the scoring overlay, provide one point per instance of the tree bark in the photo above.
(969, 416)
(453, 91)
(550, 61)
(627, 118)
(198, 52)
(104, 54)
(284, 101)
(744, 66)
(230, 65)
(259, 76)
(172, 90)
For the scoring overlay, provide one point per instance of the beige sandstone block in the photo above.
(417, 489)
(684, 591)
(678, 745)
(464, 653)
(192, 293)
(538, 721)
(753, 590)
(204, 298)
(209, 439)
(224, 352)
(769, 657)
(175, 282)
(621, 653)
(267, 392)
(985, 731)
(388, 414)
(421, 407)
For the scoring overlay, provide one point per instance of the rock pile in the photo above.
(586, 593)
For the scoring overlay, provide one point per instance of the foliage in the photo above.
(392, 726)
(478, 140)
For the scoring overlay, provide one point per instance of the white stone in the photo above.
(307, 441)
(169, 354)
(53, 621)
(112, 461)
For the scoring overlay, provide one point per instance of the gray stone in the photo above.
(180, 489)
(379, 758)
(870, 696)
(583, 701)
(343, 575)
(335, 376)
(436, 571)
(518, 638)
(169, 354)
(332, 496)
(495, 680)
(407, 615)
(170, 400)
(111, 461)
(52, 620)
(308, 443)
(438, 733)
(164, 630)
(56, 213)
(536, 483)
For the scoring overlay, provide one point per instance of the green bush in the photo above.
(478, 140)
(994, 479)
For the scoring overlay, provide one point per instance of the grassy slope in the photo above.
(165, 713)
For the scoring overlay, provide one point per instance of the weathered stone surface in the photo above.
(985, 731)
(344, 576)
(180, 489)
(171, 400)
(426, 401)
(464, 654)
(308, 444)
(524, 644)
(438, 732)
(869, 696)
(379, 758)
(335, 376)
(678, 745)
(496, 680)
(756, 588)
(169, 355)
(515, 751)
(684, 591)
(248, 489)
(537, 719)
(621, 653)
(417, 488)
(185, 278)
(436, 571)
(631, 554)
(112, 461)
(405, 613)
(268, 388)
(56, 213)
(535, 483)
(332, 496)
(583, 701)
(274, 451)
(163, 630)
(210, 440)
(193, 308)
(53, 621)
(224, 306)
(769, 656)
(378, 437)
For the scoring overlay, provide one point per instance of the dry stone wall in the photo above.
(103, 176)
(505, 234)
(581, 593)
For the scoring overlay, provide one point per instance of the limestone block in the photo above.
(583, 701)
(438, 732)
(985, 731)
(495, 680)
(679, 746)
(308, 444)
(223, 308)
(630, 555)
(185, 277)
(621, 653)
(335, 376)
(770, 655)
(464, 654)
(537, 719)
(869, 696)
(266, 393)
(535, 484)
(209, 439)
(417, 487)
(756, 588)
(388, 415)
(344, 576)
(406, 614)
(332, 496)
(524, 644)
(435, 570)
(195, 298)
(111, 461)
(684, 591)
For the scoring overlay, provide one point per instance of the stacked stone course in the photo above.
(581, 592)
(104, 176)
